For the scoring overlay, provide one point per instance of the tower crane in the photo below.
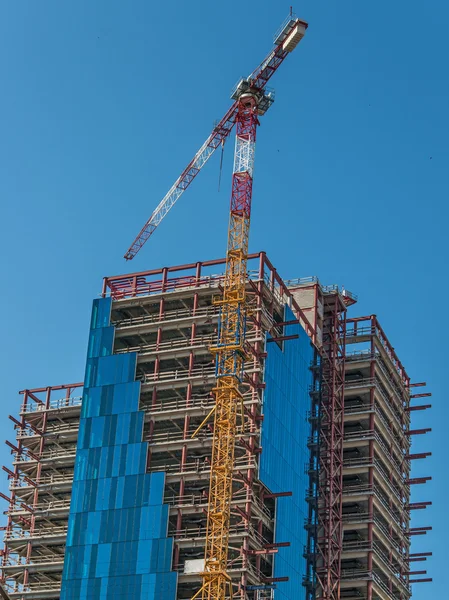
(251, 99)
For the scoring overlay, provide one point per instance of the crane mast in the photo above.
(230, 349)
(230, 354)
(251, 99)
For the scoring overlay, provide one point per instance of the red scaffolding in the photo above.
(330, 480)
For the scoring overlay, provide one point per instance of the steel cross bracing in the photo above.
(330, 478)
(230, 355)
(257, 81)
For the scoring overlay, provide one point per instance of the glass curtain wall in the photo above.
(117, 545)
(285, 456)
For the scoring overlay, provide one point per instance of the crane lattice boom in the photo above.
(286, 40)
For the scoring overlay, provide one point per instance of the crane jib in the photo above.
(230, 349)
(290, 34)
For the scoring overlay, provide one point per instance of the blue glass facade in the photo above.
(117, 545)
(285, 454)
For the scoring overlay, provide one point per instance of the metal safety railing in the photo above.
(51, 428)
(202, 466)
(206, 373)
(364, 355)
(176, 344)
(235, 531)
(52, 479)
(375, 382)
(22, 561)
(53, 453)
(199, 500)
(177, 403)
(17, 507)
(39, 533)
(34, 587)
(60, 403)
(211, 312)
(372, 330)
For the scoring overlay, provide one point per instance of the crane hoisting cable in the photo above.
(221, 164)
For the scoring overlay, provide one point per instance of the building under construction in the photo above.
(235, 435)
(109, 480)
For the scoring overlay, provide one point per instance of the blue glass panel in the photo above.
(103, 560)
(116, 542)
(91, 403)
(115, 369)
(285, 454)
(100, 342)
(101, 313)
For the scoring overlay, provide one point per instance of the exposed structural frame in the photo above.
(170, 315)
(252, 521)
(45, 445)
(331, 432)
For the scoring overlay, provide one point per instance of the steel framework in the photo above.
(330, 479)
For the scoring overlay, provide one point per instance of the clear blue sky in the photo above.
(103, 104)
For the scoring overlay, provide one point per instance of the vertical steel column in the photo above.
(369, 584)
(310, 581)
(330, 482)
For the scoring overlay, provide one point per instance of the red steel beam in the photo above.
(11, 445)
(278, 495)
(418, 431)
(51, 388)
(422, 559)
(418, 456)
(418, 531)
(372, 319)
(130, 283)
(284, 338)
(15, 421)
(286, 323)
(419, 505)
(413, 408)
